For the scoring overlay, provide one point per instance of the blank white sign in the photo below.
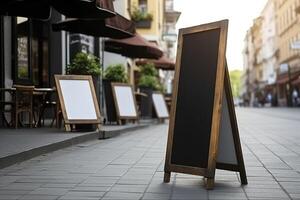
(226, 153)
(78, 99)
(125, 101)
(160, 105)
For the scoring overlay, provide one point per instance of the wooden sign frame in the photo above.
(156, 108)
(69, 122)
(209, 172)
(113, 84)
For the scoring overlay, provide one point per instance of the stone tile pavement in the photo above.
(17, 145)
(130, 166)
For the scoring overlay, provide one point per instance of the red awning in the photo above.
(87, 9)
(41, 9)
(284, 78)
(115, 27)
(163, 63)
(134, 47)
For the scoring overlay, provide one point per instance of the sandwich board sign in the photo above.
(203, 132)
(125, 102)
(160, 105)
(78, 101)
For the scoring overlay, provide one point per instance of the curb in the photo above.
(26, 155)
(108, 134)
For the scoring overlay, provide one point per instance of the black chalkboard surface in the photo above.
(195, 117)
(194, 109)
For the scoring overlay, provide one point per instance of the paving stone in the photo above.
(227, 195)
(156, 196)
(123, 195)
(49, 191)
(129, 188)
(39, 197)
(9, 197)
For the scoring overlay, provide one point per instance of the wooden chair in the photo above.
(24, 103)
(7, 107)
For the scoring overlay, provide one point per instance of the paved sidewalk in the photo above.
(17, 145)
(130, 166)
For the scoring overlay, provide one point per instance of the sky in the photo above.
(240, 13)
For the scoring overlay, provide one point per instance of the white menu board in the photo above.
(125, 102)
(78, 99)
(160, 105)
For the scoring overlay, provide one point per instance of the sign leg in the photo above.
(68, 127)
(243, 176)
(210, 183)
(99, 127)
(167, 177)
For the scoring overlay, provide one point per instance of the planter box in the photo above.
(146, 106)
(111, 113)
(143, 24)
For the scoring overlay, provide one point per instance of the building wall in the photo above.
(288, 31)
(156, 8)
(279, 29)
(269, 46)
(121, 7)
(8, 69)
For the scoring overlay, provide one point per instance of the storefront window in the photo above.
(22, 48)
(32, 60)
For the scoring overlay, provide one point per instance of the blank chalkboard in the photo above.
(195, 98)
(202, 111)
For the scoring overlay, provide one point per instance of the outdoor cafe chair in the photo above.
(24, 103)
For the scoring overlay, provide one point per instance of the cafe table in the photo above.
(43, 94)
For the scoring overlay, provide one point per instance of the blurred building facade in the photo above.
(271, 55)
(159, 28)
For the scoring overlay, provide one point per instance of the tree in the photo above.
(235, 80)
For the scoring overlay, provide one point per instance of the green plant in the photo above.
(149, 81)
(22, 72)
(138, 15)
(149, 77)
(148, 69)
(84, 64)
(116, 73)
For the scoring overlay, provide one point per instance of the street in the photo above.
(130, 166)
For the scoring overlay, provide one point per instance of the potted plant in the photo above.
(113, 73)
(141, 19)
(86, 64)
(148, 83)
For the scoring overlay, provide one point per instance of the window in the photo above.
(143, 7)
(31, 51)
(22, 30)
